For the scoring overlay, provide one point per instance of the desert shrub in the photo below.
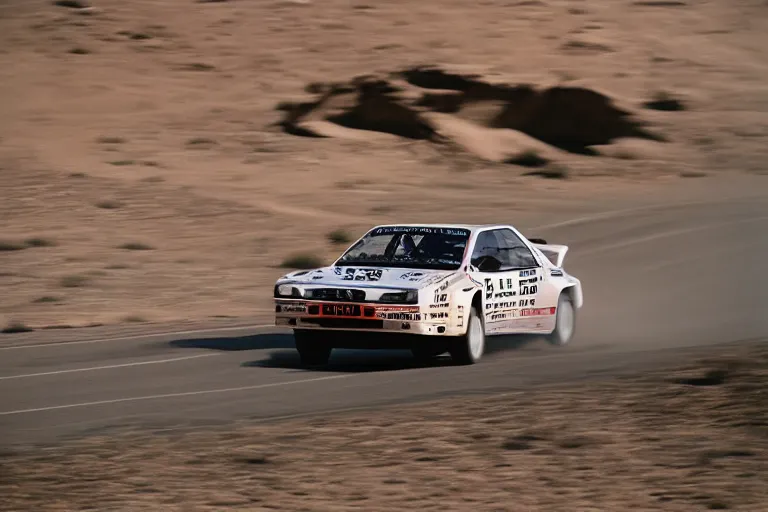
(136, 246)
(339, 236)
(302, 261)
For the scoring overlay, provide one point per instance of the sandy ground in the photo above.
(681, 439)
(148, 174)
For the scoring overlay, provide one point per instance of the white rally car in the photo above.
(432, 289)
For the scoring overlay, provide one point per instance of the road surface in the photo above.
(659, 283)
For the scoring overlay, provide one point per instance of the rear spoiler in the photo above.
(554, 253)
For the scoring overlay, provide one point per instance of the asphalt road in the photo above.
(659, 284)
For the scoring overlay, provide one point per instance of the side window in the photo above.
(486, 255)
(513, 252)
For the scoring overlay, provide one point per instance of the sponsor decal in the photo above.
(440, 297)
(399, 316)
(451, 279)
(367, 275)
(430, 280)
(505, 289)
(399, 313)
(443, 281)
(413, 276)
(421, 230)
(292, 307)
(404, 309)
(498, 316)
(538, 311)
(556, 272)
(488, 288)
(433, 316)
(526, 273)
(505, 315)
(358, 274)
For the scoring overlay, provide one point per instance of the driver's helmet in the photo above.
(407, 243)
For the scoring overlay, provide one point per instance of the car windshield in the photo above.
(409, 247)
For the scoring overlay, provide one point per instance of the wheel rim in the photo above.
(476, 338)
(565, 321)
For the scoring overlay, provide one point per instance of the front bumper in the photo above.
(361, 317)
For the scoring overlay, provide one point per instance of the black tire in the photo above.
(565, 322)
(462, 347)
(313, 349)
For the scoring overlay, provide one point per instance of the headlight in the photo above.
(404, 297)
(287, 290)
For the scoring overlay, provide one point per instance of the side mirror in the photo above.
(539, 241)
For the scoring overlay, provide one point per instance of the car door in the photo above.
(535, 314)
(511, 278)
(489, 265)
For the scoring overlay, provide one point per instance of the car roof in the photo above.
(471, 227)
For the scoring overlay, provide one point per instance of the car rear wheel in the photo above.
(565, 321)
(313, 349)
(469, 348)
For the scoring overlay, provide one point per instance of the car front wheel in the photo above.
(469, 348)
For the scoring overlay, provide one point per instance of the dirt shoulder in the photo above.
(690, 438)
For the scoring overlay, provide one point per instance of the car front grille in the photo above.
(336, 294)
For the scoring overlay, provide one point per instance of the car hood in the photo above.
(367, 277)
